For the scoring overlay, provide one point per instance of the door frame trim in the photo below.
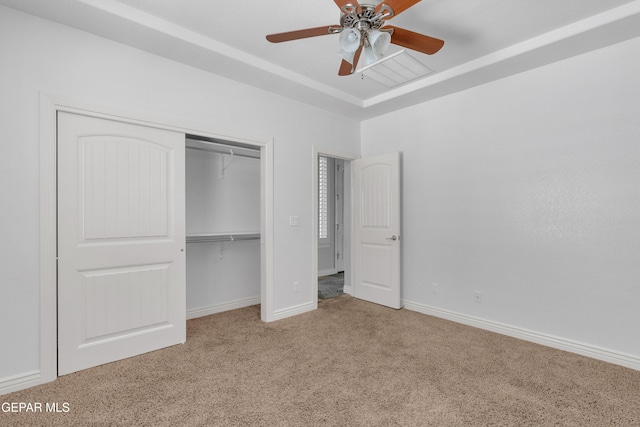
(348, 157)
(50, 104)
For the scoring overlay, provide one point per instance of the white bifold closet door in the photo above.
(121, 240)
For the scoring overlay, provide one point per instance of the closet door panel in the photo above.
(121, 268)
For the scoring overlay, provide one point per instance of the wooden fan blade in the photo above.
(342, 3)
(346, 69)
(415, 41)
(398, 6)
(301, 34)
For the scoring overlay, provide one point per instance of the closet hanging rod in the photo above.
(230, 152)
(222, 147)
(231, 237)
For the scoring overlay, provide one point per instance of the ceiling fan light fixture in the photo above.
(375, 46)
(363, 32)
(379, 41)
(347, 56)
(369, 56)
(350, 40)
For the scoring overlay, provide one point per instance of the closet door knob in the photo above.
(392, 238)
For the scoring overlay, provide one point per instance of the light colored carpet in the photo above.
(349, 363)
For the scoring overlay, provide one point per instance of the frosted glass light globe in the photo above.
(350, 40)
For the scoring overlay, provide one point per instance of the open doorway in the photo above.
(371, 226)
(330, 227)
(333, 219)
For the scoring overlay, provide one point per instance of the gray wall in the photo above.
(39, 55)
(527, 189)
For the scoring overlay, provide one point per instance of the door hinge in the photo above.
(338, 255)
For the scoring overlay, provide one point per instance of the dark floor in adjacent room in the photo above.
(330, 286)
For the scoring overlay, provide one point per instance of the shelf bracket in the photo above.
(224, 246)
(223, 164)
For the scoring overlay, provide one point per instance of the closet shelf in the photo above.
(223, 236)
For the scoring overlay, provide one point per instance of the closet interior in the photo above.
(223, 226)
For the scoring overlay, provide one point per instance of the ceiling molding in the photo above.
(613, 26)
(127, 25)
(151, 22)
(602, 30)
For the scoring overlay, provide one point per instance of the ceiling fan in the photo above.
(362, 29)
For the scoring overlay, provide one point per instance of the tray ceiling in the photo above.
(484, 40)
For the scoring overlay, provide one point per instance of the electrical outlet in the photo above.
(296, 287)
(434, 288)
(293, 221)
(477, 297)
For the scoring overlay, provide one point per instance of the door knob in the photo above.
(392, 238)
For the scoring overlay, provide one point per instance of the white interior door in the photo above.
(121, 237)
(376, 218)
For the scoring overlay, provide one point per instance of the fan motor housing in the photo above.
(367, 19)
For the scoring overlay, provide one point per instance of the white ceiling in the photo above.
(484, 40)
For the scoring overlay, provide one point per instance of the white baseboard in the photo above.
(348, 290)
(19, 382)
(295, 310)
(327, 272)
(219, 308)
(595, 352)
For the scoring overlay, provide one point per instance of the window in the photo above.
(323, 197)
